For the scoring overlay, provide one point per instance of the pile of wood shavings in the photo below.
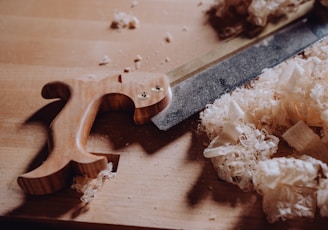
(249, 17)
(257, 11)
(272, 136)
(89, 187)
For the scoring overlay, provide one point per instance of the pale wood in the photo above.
(162, 180)
(145, 93)
(219, 53)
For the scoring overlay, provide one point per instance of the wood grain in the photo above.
(162, 180)
(145, 93)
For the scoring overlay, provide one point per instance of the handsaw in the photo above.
(200, 82)
(165, 99)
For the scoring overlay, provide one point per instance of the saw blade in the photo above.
(193, 91)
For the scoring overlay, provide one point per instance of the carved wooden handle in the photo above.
(147, 93)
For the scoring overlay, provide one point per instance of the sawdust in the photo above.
(105, 60)
(168, 37)
(123, 20)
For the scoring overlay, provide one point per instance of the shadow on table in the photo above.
(119, 129)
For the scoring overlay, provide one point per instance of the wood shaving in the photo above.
(249, 17)
(127, 69)
(138, 62)
(257, 11)
(105, 60)
(90, 187)
(123, 20)
(286, 104)
(168, 37)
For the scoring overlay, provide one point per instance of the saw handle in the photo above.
(146, 93)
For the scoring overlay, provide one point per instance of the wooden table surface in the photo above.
(162, 179)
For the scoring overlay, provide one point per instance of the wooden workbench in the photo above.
(162, 179)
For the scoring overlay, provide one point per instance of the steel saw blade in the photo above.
(193, 90)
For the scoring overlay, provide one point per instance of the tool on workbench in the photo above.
(166, 100)
(203, 85)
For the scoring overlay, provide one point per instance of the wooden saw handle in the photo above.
(148, 93)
